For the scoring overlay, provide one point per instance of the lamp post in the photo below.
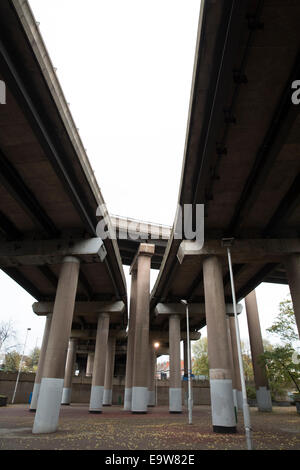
(228, 242)
(156, 346)
(184, 302)
(20, 367)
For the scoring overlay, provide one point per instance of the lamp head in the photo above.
(227, 242)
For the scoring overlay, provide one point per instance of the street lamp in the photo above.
(184, 302)
(20, 367)
(228, 242)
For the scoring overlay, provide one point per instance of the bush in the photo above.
(251, 392)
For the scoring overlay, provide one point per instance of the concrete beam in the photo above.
(91, 334)
(40, 252)
(194, 309)
(242, 251)
(161, 336)
(81, 308)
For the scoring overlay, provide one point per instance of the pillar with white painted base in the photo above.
(292, 265)
(39, 372)
(175, 393)
(89, 365)
(141, 339)
(223, 414)
(152, 376)
(70, 366)
(49, 402)
(263, 395)
(130, 343)
(97, 390)
(235, 368)
(109, 370)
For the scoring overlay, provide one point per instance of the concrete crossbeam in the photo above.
(242, 251)
(40, 252)
(81, 308)
(163, 336)
(194, 309)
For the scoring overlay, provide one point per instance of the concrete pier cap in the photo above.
(195, 309)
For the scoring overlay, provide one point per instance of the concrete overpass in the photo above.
(241, 162)
(48, 202)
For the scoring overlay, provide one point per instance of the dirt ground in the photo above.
(116, 429)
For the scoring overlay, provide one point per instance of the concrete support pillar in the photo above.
(292, 264)
(90, 365)
(263, 396)
(69, 372)
(235, 366)
(130, 343)
(175, 394)
(47, 414)
(223, 415)
(97, 390)
(141, 339)
(109, 371)
(152, 376)
(39, 372)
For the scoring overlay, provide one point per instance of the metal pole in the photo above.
(156, 384)
(184, 302)
(246, 413)
(20, 367)
(189, 366)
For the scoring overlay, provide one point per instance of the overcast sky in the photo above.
(126, 70)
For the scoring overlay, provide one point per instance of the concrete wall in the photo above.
(82, 385)
(25, 386)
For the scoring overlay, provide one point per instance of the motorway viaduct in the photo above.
(240, 166)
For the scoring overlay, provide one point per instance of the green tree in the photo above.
(282, 371)
(31, 361)
(12, 362)
(284, 326)
(200, 363)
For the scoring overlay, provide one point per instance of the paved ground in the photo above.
(115, 429)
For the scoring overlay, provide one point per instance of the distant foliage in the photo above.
(31, 361)
(12, 362)
(200, 363)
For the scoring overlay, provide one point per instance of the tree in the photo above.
(32, 360)
(285, 323)
(7, 333)
(200, 364)
(12, 362)
(282, 370)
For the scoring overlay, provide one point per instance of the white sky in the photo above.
(126, 70)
